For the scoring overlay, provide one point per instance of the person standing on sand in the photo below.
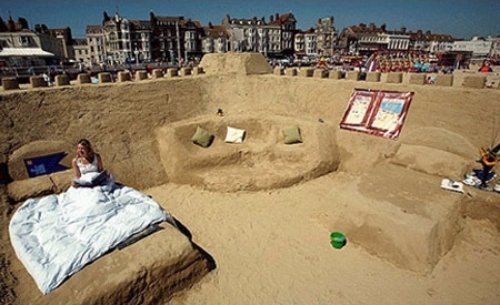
(489, 158)
(486, 67)
(46, 78)
(322, 63)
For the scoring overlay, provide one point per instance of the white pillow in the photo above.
(92, 179)
(234, 135)
(88, 177)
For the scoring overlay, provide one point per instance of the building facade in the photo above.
(495, 48)
(287, 26)
(243, 33)
(272, 44)
(166, 38)
(174, 39)
(215, 39)
(274, 38)
(26, 48)
(63, 35)
(140, 41)
(311, 43)
(299, 44)
(429, 42)
(81, 51)
(95, 44)
(326, 36)
(117, 44)
(365, 39)
(192, 34)
(480, 47)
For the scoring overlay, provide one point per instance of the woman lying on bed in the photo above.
(87, 166)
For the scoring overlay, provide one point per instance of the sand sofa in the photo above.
(261, 161)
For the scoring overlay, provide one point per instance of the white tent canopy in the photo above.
(25, 52)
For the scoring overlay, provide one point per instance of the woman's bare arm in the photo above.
(100, 167)
(76, 170)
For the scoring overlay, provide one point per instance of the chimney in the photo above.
(210, 25)
(11, 25)
(383, 27)
(372, 26)
(277, 16)
(403, 29)
(271, 18)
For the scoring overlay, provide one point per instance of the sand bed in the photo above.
(156, 267)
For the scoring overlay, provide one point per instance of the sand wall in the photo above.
(240, 63)
(121, 119)
(442, 109)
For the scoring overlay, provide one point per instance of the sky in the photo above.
(460, 18)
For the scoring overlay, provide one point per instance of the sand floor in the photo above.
(270, 248)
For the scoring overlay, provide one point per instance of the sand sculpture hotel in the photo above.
(145, 127)
(151, 122)
(119, 40)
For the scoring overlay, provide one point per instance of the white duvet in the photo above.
(57, 235)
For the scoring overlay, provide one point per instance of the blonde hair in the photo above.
(86, 143)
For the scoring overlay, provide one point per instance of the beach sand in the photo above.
(408, 241)
(273, 248)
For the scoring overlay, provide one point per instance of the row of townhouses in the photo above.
(167, 38)
(366, 39)
(118, 40)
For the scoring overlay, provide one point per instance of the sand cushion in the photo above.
(202, 137)
(292, 135)
(234, 135)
